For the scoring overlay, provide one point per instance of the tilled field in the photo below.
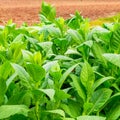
(27, 10)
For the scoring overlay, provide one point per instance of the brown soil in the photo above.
(27, 10)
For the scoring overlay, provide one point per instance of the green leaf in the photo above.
(91, 118)
(115, 39)
(49, 92)
(2, 90)
(48, 11)
(76, 36)
(36, 72)
(5, 70)
(27, 56)
(60, 45)
(101, 81)
(10, 79)
(48, 65)
(114, 105)
(78, 86)
(57, 111)
(113, 58)
(99, 98)
(87, 77)
(23, 75)
(97, 52)
(65, 75)
(9, 110)
(61, 95)
(114, 112)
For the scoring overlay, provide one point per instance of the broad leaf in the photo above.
(99, 98)
(114, 112)
(78, 86)
(9, 110)
(113, 58)
(87, 77)
(36, 72)
(23, 75)
(49, 92)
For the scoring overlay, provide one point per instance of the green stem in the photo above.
(37, 110)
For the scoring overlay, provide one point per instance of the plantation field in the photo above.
(59, 68)
(27, 10)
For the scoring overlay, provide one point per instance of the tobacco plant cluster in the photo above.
(60, 69)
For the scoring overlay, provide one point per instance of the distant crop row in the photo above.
(60, 69)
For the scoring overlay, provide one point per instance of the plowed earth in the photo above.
(27, 10)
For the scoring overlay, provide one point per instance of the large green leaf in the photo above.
(87, 77)
(9, 110)
(97, 51)
(76, 36)
(21, 72)
(114, 112)
(99, 98)
(115, 39)
(78, 86)
(36, 72)
(91, 118)
(113, 58)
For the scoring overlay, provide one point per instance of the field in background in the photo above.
(27, 10)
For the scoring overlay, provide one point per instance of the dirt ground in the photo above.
(27, 10)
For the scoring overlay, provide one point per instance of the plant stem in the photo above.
(37, 110)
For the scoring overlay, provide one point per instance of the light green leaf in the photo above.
(19, 38)
(57, 111)
(36, 72)
(5, 70)
(62, 57)
(91, 118)
(27, 56)
(48, 11)
(87, 77)
(97, 52)
(113, 58)
(20, 71)
(78, 87)
(101, 81)
(76, 36)
(49, 92)
(48, 65)
(9, 110)
(61, 95)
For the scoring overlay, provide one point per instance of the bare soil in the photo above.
(27, 10)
